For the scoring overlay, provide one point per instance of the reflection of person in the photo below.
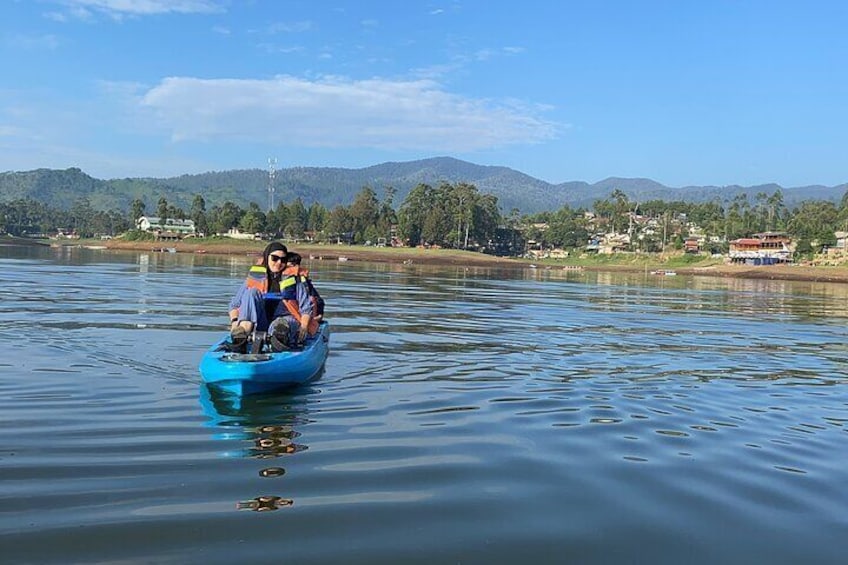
(264, 503)
(294, 318)
(275, 441)
(247, 307)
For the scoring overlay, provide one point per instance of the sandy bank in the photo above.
(330, 252)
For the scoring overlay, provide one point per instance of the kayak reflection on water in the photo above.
(264, 426)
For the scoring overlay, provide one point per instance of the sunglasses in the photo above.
(275, 258)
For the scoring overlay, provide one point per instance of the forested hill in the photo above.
(332, 186)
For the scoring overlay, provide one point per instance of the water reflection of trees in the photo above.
(265, 425)
(740, 295)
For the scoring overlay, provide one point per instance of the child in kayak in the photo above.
(297, 315)
(293, 260)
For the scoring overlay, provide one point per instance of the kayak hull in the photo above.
(244, 374)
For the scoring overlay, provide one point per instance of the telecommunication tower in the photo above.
(272, 172)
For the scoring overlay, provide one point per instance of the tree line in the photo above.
(449, 215)
(457, 215)
(812, 223)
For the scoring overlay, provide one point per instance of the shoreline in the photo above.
(413, 256)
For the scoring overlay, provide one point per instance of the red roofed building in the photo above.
(765, 248)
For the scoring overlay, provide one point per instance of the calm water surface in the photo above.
(464, 416)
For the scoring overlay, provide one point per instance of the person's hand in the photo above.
(304, 328)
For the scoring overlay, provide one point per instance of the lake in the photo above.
(464, 416)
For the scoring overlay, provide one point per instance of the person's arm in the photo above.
(304, 305)
(235, 304)
(317, 301)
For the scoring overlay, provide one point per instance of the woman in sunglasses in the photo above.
(247, 308)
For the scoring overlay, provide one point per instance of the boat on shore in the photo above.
(664, 273)
(253, 373)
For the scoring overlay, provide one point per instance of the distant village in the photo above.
(766, 248)
(457, 216)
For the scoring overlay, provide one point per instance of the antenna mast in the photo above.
(272, 172)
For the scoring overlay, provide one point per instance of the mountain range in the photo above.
(333, 186)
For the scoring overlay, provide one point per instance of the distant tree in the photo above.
(843, 212)
(297, 217)
(566, 229)
(339, 222)
(463, 200)
(278, 219)
(364, 212)
(485, 221)
(253, 220)
(386, 216)
(82, 215)
(439, 223)
(777, 211)
(514, 218)
(413, 213)
(738, 218)
(136, 210)
(815, 221)
(198, 214)
(316, 217)
(710, 216)
(803, 249)
(162, 209)
(225, 217)
(760, 211)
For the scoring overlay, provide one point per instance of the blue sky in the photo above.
(682, 92)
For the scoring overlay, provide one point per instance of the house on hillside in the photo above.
(170, 229)
(612, 243)
(837, 253)
(766, 248)
(235, 233)
(692, 245)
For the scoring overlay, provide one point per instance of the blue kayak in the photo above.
(251, 373)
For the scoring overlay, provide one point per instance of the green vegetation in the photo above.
(449, 215)
(657, 226)
(672, 260)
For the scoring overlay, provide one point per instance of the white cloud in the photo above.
(340, 112)
(33, 42)
(461, 60)
(273, 48)
(10, 131)
(56, 16)
(83, 9)
(484, 54)
(290, 27)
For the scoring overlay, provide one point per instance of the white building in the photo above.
(180, 228)
(235, 233)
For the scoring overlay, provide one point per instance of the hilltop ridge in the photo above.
(332, 186)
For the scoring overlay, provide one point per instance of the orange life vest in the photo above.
(257, 278)
(288, 288)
